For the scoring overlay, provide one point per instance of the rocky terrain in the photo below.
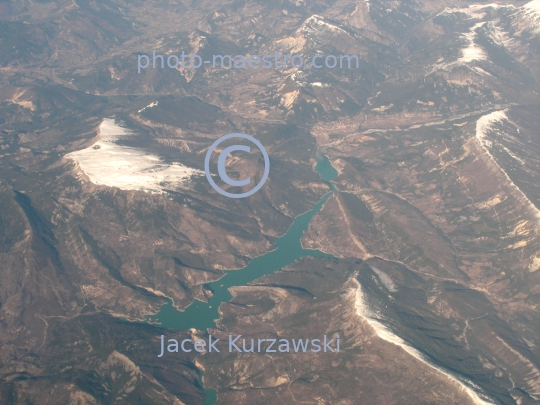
(434, 222)
(311, 299)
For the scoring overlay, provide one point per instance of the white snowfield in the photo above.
(532, 11)
(128, 168)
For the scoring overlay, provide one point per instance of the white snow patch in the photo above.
(316, 24)
(362, 309)
(385, 279)
(472, 51)
(474, 11)
(480, 10)
(481, 6)
(486, 122)
(127, 168)
(533, 7)
(477, 11)
(478, 14)
(531, 11)
(513, 155)
(481, 71)
(155, 103)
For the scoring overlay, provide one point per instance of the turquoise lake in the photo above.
(202, 315)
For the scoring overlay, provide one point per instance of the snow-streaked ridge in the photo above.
(531, 12)
(127, 168)
(316, 23)
(484, 124)
(386, 334)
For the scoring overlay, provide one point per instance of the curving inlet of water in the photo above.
(202, 315)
